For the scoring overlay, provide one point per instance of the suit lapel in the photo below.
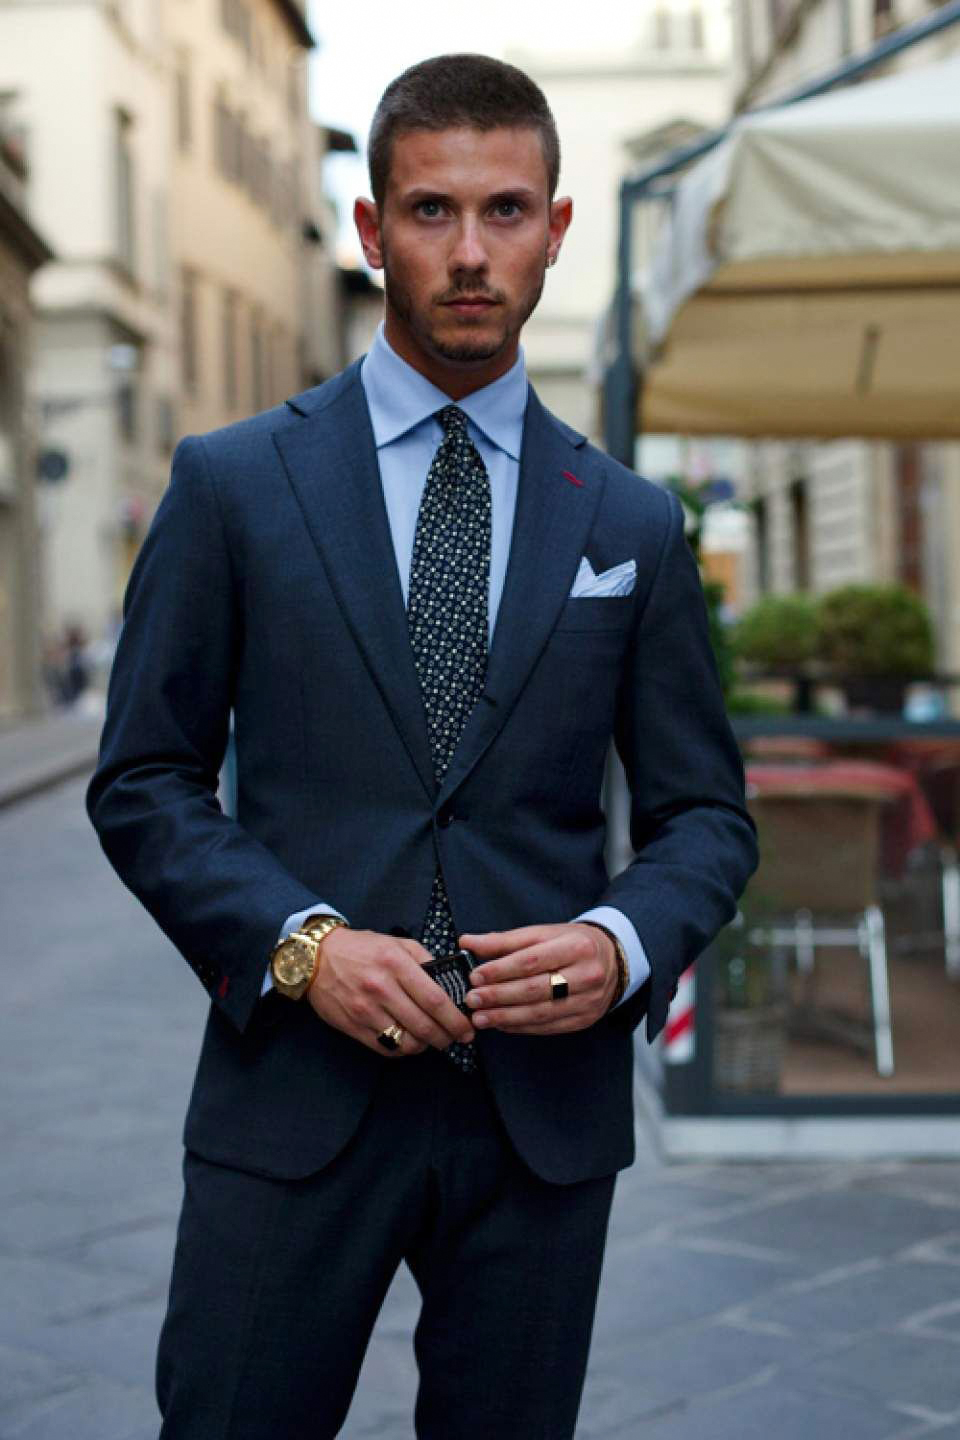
(557, 499)
(331, 462)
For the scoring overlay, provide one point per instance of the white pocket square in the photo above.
(619, 580)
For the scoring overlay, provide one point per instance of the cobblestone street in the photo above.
(739, 1301)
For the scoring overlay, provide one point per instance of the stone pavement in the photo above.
(38, 753)
(740, 1302)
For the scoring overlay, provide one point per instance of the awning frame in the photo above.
(622, 381)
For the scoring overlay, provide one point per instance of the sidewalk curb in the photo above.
(24, 787)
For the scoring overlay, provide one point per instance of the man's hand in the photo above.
(367, 982)
(511, 988)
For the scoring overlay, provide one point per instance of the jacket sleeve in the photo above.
(218, 894)
(694, 840)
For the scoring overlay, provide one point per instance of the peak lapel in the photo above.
(331, 462)
(556, 505)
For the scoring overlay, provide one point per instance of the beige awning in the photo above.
(807, 281)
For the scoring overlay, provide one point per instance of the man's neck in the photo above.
(455, 378)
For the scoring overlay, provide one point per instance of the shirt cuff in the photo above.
(293, 922)
(638, 966)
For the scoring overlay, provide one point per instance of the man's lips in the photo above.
(469, 305)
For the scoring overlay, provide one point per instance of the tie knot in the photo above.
(453, 420)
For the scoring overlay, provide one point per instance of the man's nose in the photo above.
(469, 251)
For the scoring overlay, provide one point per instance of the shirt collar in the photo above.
(400, 398)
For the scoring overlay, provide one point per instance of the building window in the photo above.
(235, 18)
(229, 139)
(189, 344)
(662, 29)
(230, 385)
(745, 14)
(165, 424)
(183, 109)
(256, 362)
(125, 190)
(696, 28)
(243, 159)
(256, 173)
(127, 409)
(761, 534)
(884, 17)
(283, 200)
(781, 16)
(161, 253)
(800, 518)
(910, 526)
(293, 85)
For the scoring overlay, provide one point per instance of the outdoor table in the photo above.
(908, 820)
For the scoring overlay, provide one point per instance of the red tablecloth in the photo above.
(908, 819)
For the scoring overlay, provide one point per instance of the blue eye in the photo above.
(429, 208)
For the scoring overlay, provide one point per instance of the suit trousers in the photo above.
(277, 1284)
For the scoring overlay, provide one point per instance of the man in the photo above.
(430, 606)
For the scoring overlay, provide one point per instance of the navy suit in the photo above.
(268, 586)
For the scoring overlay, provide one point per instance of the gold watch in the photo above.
(295, 961)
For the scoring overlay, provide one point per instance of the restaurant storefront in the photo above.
(797, 277)
(836, 993)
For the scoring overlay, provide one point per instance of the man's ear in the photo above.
(561, 213)
(366, 217)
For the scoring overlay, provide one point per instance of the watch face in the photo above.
(293, 963)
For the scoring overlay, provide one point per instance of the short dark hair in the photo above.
(447, 91)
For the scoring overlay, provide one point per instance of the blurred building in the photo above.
(851, 510)
(90, 91)
(611, 108)
(22, 252)
(176, 171)
(244, 228)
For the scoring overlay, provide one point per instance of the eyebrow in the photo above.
(512, 192)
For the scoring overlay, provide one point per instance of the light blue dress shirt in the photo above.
(403, 405)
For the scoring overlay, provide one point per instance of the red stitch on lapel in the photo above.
(572, 478)
(223, 987)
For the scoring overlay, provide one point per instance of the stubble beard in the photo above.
(463, 351)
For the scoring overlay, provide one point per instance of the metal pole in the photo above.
(620, 383)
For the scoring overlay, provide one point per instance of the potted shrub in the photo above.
(779, 635)
(779, 632)
(875, 638)
(750, 1010)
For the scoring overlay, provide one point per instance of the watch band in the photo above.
(314, 931)
(317, 928)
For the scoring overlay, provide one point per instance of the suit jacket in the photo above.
(268, 586)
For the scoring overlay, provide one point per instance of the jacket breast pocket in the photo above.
(595, 612)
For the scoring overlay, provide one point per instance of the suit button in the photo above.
(445, 818)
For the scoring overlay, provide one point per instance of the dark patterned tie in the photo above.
(447, 619)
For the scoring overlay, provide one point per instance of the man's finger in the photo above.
(419, 1023)
(436, 1004)
(536, 957)
(529, 990)
(503, 942)
(530, 1017)
(367, 1030)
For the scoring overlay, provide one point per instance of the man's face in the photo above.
(464, 236)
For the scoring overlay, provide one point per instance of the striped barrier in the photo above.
(680, 1036)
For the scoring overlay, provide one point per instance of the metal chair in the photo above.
(819, 856)
(941, 783)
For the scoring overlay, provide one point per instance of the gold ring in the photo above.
(559, 989)
(391, 1038)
